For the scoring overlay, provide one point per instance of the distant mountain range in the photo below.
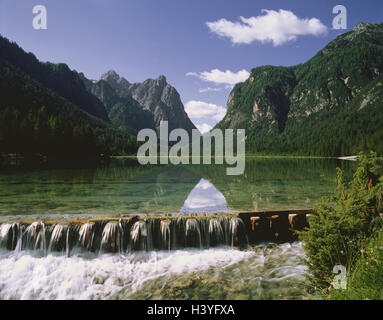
(140, 105)
(49, 109)
(331, 105)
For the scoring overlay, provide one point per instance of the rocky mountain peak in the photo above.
(161, 79)
(153, 96)
(159, 83)
(163, 101)
(115, 81)
(111, 74)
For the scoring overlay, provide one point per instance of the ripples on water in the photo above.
(125, 187)
(263, 272)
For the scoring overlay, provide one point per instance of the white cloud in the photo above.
(200, 109)
(222, 77)
(204, 128)
(209, 89)
(277, 27)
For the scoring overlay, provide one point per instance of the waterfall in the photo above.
(138, 236)
(60, 240)
(112, 235)
(124, 235)
(193, 233)
(216, 232)
(33, 238)
(237, 232)
(86, 236)
(9, 235)
(165, 234)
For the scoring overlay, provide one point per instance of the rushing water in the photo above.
(266, 272)
(180, 257)
(125, 235)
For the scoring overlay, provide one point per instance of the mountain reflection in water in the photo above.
(267, 271)
(124, 187)
(204, 198)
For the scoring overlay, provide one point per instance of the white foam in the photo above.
(25, 276)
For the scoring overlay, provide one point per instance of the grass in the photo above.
(365, 281)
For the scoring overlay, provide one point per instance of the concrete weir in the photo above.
(128, 233)
(276, 226)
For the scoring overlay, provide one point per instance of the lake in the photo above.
(123, 186)
(264, 271)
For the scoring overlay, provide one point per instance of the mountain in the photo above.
(330, 105)
(155, 96)
(46, 109)
(49, 109)
(123, 111)
(57, 77)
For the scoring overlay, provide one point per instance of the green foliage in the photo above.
(366, 279)
(35, 120)
(57, 77)
(328, 106)
(343, 222)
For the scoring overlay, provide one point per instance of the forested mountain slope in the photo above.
(36, 119)
(329, 106)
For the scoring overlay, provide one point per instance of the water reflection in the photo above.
(276, 183)
(123, 186)
(205, 198)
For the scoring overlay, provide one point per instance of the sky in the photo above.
(203, 47)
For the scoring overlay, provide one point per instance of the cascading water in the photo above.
(60, 238)
(139, 236)
(193, 233)
(86, 236)
(121, 236)
(111, 240)
(165, 233)
(216, 232)
(33, 238)
(237, 232)
(155, 257)
(9, 235)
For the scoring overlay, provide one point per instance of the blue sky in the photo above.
(201, 46)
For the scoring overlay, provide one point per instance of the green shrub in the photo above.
(366, 279)
(342, 223)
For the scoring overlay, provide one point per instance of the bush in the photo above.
(342, 223)
(366, 279)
